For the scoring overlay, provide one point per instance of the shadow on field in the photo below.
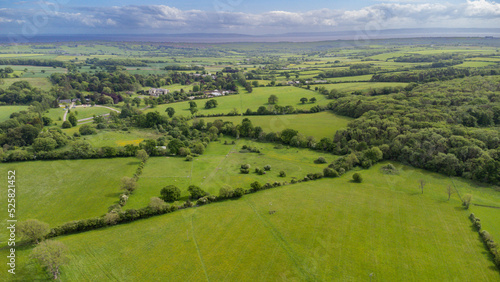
(113, 195)
(134, 163)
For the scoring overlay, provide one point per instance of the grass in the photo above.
(319, 125)
(39, 82)
(220, 165)
(86, 112)
(361, 86)
(327, 230)
(60, 191)
(287, 95)
(120, 138)
(6, 111)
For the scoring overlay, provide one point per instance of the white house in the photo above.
(157, 91)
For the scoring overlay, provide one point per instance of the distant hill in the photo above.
(286, 37)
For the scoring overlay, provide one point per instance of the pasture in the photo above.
(287, 95)
(38, 82)
(219, 165)
(6, 111)
(60, 191)
(328, 230)
(319, 125)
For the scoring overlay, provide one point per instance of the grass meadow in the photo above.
(6, 111)
(287, 95)
(328, 230)
(60, 191)
(319, 125)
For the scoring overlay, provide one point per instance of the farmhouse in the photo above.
(157, 91)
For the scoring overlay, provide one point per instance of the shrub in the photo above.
(66, 124)
(330, 172)
(226, 191)
(282, 174)
(157, 205)
(389, 169)
(244, 171)
(170, 193)
(87, 129)
(357, 178)
(466, 200)
(238, 192)
(267, 167)
(255, 186)
(196, 192)
(189, 158)
(245, 166)
(320, 160)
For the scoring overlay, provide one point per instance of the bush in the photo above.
(330, 172)
(260, 171)
(282, 174)
(196, 192)
(66, 124)
(87, 129)
(170, 193)
(357, 178)
(255, 186)
(389, 169)
(225, 192)
(267, 167)
(245, 166)
(320, 160)
(189, 158)
(244, 171)
(238, 192)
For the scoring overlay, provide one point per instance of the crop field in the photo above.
(319, 125)
(6, 111)
(63, 190)
(287, 95)
(322, 230)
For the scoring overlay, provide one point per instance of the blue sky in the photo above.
(240, 16)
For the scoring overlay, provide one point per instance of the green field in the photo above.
(319, 125)
(119, 138)
(220, 165)
(287, 95)
(6, 111)
(60, 191)
(39, 82)
(327, 230)
(86, 112)
(361, 86)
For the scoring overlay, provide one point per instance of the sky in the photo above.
(254, 17)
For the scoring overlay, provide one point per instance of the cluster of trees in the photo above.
(436, 126)
(352, 71)
(184, 68)
(32, 62)
(428, 58)
(22, 93)
(431, 75)
(4, 73)
(115, 62)
(491, 245)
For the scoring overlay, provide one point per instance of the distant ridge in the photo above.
(286, 37)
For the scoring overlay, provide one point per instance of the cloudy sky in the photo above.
(240, 16)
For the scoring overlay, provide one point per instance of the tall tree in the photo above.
(50, 255)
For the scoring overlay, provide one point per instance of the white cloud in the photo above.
(162, 18)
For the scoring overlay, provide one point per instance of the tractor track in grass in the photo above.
(283, 244)
(198, 249)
